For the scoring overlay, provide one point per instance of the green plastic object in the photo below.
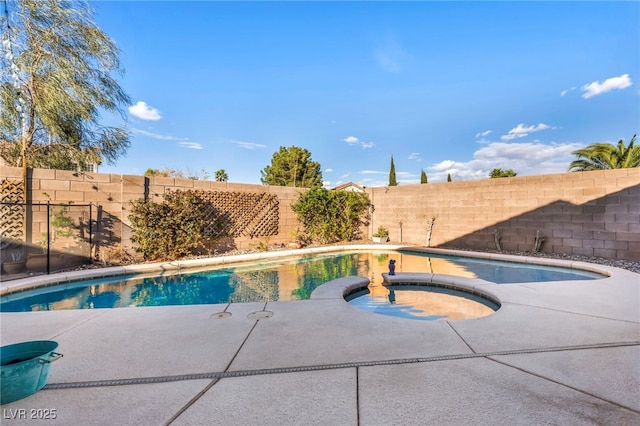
(24, 368)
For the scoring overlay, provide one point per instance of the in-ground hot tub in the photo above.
(419, 297)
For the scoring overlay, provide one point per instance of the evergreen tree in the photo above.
(448, 177)
(423, 177)
(292, 166)
(392, 174)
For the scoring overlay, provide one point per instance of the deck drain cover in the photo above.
(220, 315)
(260, 315)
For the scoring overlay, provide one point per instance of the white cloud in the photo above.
(532, 151)
(532, 158)
(372, 172)
(328, 170)
(352, 140)
(520, 131)
(614, 83)
(443, 165)
(191, 145)
(483, 134)
(415, 156)
(249, 145)
(184, 142)
(144, 111)
(344, 176)
(156, 135)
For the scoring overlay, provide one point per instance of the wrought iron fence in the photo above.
(38, 238)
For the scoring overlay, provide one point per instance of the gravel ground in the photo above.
(631, 265)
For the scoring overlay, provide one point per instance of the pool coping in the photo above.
(31, 283)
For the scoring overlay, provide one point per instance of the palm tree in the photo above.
(605, 156)
(221, 176)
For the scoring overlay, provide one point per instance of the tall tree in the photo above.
(448, 177)
(392, 174)
(59, 79)
(604, 156)
(498, 173)
(423, 177)
(292, 166)
(156, 172)
(221, 176)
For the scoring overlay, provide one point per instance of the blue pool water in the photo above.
(290, 279)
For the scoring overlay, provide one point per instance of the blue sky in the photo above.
(445, 87)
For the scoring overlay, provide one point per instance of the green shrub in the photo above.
(381, 232)
(171, 229)
(331, 216)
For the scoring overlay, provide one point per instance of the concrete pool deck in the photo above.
(554, 353)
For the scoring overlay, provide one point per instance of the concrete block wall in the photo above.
(113, 193)
(589, 213)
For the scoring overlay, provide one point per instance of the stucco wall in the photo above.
(588, 213)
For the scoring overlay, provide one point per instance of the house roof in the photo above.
(349, 186)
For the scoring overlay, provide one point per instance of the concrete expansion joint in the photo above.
(245, 373)
(460, 336)
(576, 389)
(213, 377)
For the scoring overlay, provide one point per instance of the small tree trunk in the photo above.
(537, 242)
(429, 230)
(497, 235)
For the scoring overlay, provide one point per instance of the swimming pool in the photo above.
(270, 280)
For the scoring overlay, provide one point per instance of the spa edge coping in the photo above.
(30, 283)
(342, 287)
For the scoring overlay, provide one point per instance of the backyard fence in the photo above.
(38, 238)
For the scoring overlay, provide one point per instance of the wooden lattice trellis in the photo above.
(241, 214)
(11, 215)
